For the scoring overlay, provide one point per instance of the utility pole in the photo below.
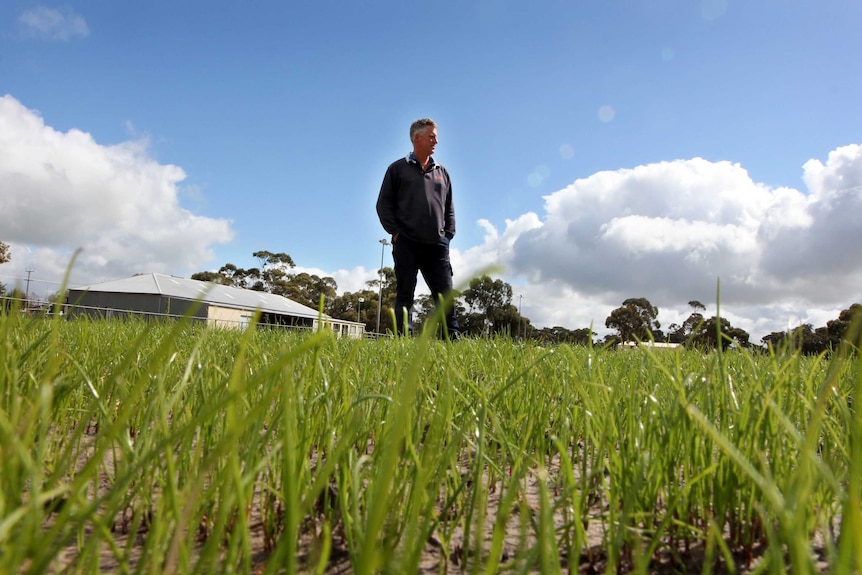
(29, 270)
(520, 319)
(384, 242)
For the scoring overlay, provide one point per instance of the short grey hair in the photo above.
(420, 125)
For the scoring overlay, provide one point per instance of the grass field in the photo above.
(146, 447)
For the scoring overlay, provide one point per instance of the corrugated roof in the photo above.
(212, 293)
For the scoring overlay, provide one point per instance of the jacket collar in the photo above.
(411, 158)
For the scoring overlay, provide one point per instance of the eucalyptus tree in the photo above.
(356, 306)
(715, 331)
(5, 256)
(636, 318)
(836, 329)
(490, 308)
(813, 341)
(308, 289)
(681, 333)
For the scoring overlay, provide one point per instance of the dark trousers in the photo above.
(433, 261)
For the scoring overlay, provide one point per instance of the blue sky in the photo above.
(599, 150)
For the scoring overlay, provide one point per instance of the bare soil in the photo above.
(678, 557)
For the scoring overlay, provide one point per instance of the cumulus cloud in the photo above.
(818, 251)
(60, 191)
(53, 24)
(671, 231)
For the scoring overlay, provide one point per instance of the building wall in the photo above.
(96, 304)
(651, 344)
(230, 318)
(105, 304)
(343, 329)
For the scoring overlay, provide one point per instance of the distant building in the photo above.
(652, 344)
(160, 295)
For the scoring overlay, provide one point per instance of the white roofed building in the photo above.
(160, 295)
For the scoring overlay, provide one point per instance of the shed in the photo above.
(161, 295)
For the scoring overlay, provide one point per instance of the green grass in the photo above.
(146, 447)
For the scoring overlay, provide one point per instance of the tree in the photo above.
(836, 329)
(636, 318)
(349, 307)
(230, 275)
(307, 289)
(270, 277)
(5, 256)
(273, 276)
(559, 334)
(707, 335)
(269, 259)
(424, 307)
(506, 320)
(16, 299)
(212, 277)
(811, 341)
(487, 295)
(490, 308)
(776, 338)
(681, 333)
(387, 295)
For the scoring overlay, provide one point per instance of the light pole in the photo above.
(520, 319)
(384, 242)
(359, 309)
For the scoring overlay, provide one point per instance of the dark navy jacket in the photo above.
(415, 203)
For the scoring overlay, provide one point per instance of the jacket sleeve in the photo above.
(387, 201)
(449, 215)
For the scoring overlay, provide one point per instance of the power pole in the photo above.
(384, 242)
(520, 319)
(27, 292)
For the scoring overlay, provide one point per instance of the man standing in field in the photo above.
(415, 208)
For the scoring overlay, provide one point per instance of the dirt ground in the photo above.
(592, 559)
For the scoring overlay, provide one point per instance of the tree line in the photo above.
(485, 308)
(5, 256)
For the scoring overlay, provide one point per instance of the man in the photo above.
(415, 208)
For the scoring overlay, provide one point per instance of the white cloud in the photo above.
(671, 231)
(52, 24)
(818, 253)
(496, 250)
(63, 191)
